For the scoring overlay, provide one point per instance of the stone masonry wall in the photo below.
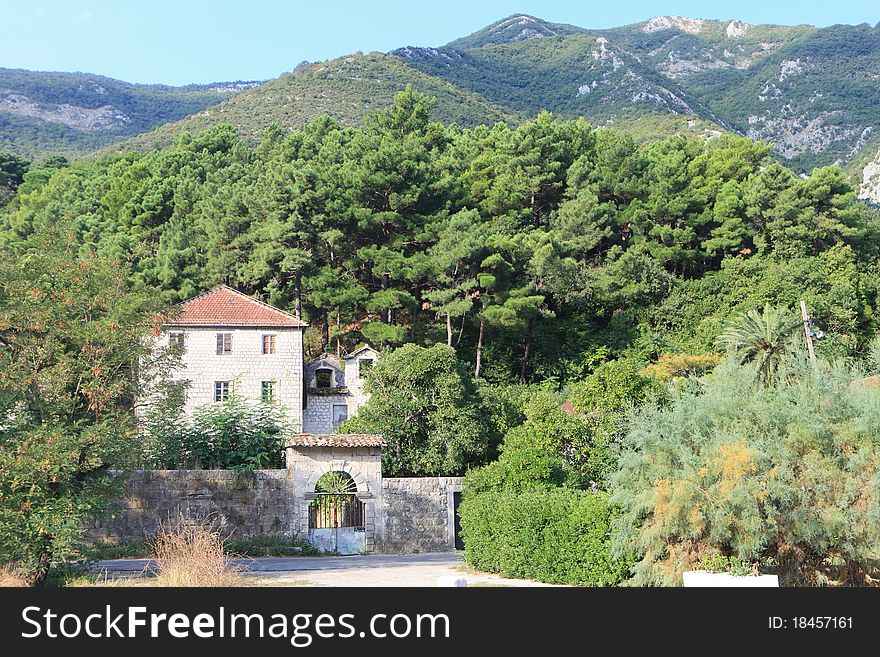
(263, 506)
(318, 414)
(403, 515)
(417, 514)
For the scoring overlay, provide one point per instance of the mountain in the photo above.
(347, 88)
(814, 93)
(72, 114)
(865, 169)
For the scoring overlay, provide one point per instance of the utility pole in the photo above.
(807, 331)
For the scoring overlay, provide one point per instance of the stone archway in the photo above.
(310, 457)
(337, 517)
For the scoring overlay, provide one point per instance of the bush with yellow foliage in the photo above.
(783, 475)
(672, 367)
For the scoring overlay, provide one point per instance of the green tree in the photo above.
(764, 338)
(72, 352)
(12, 170)
(426, 406)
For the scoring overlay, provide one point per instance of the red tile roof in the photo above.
(335, 440)
(224, 306)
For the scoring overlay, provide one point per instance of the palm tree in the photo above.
(763, 338)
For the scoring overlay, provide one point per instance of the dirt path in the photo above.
(369, 570)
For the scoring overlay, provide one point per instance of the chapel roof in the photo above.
(359, 351)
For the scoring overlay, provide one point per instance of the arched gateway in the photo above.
(338, 485)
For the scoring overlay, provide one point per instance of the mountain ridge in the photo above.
(812, 92)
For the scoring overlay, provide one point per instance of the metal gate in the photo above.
(337, 518)
(334, 510)
(456, 500)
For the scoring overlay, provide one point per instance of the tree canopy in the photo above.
(527, 249)
(73, 346)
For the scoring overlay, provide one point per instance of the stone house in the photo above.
(332, 492)
(234, 345)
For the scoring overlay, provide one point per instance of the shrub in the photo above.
(613, 388)
(784, 474)
(100, 550)
(559, 536)
(672, 367)
(269, 546)
(233, 435)
(549, 449)
(603, 399)
(191, 554)
(13, 577)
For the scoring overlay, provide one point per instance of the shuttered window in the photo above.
(176, 340)
(224, 343)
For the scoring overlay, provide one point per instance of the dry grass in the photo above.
(191, 553)
(13, 577)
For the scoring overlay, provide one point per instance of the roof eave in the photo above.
(234, 325)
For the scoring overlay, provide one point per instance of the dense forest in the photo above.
(502, 270)
(537, 251)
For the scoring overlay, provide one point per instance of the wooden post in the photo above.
(806, 318)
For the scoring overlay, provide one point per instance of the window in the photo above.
(340, 414)
(267, 393)
(221, 391)
(268, 344)
(224, 343)
(175, 340)
(324, 378)
(364, 366)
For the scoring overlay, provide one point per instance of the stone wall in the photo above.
(262, 506)
(417, 514)
(318, 415)
(402, 515)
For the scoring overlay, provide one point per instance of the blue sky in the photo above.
(184, 41)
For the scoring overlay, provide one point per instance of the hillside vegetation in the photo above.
(347, 89)
(74, 113)
(524, 247)
(810, 92)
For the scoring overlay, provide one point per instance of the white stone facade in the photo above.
(343, 392)
(245, 367)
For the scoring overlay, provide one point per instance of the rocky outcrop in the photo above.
(689, 25)
(869, 189)
(81, 118)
